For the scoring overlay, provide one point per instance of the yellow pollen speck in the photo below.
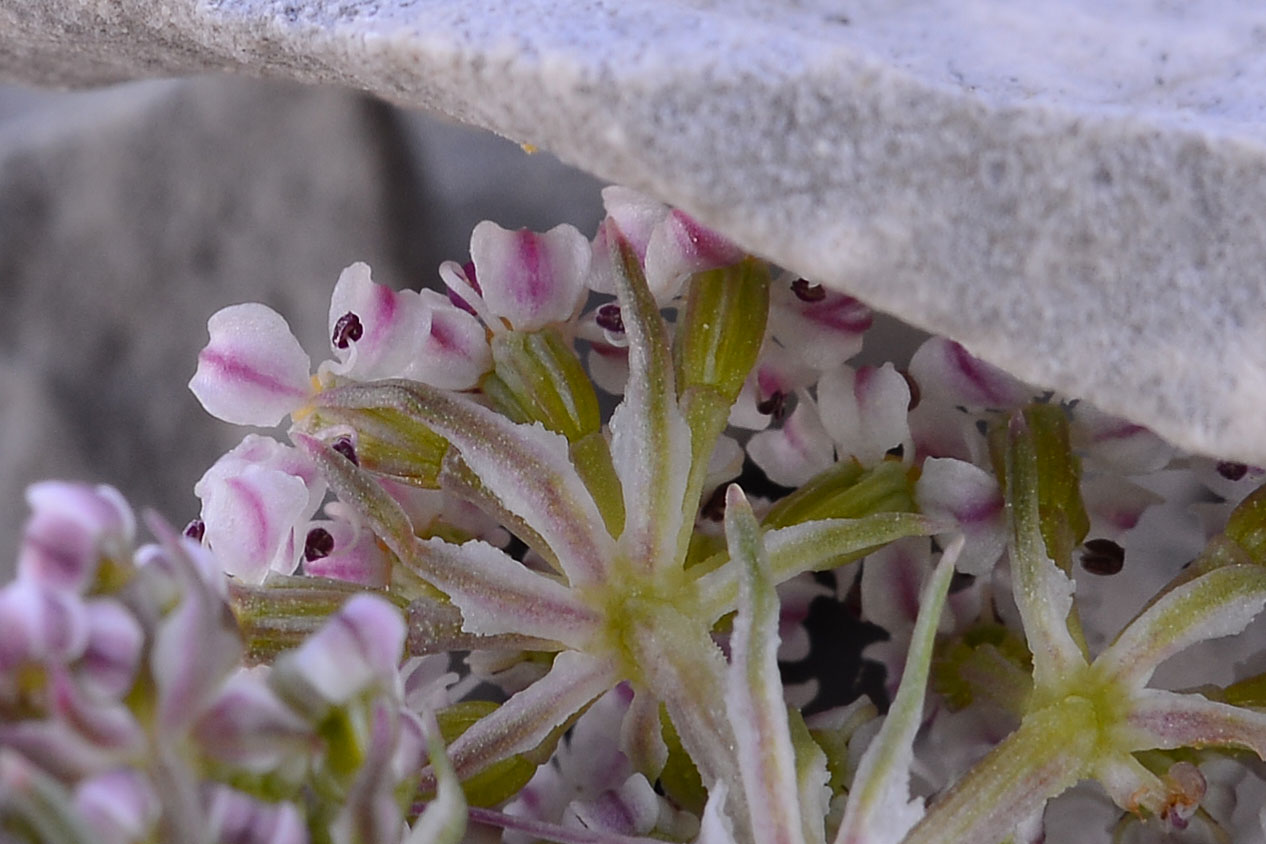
(530, 149)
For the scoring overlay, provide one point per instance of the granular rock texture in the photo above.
(1075, 189)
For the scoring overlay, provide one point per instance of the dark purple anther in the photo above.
(609, 317)
(1103, 557)
(343, 446)
(775, 405)
(319, 544)
(714, 508)
(1232, 471)
(347, 330)
(195, 530)
(807, 291)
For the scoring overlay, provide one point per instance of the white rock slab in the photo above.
(1076, 189)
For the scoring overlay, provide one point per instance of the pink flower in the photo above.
(257, 501)
(521, 280)
(670, 244)
(72, 527)
(253, 371)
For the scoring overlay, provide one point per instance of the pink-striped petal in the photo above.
(796, 451)
(71, 528)
(679, 247)
(454, 353)
(946, 371)
(823, 328)
(257, 501)
(360, 645)
(374, 331)
(864, 411)
(1115, 444)
(253, 371)
(528, 279)
(967, 498)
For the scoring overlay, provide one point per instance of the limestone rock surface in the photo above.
(1075, 189)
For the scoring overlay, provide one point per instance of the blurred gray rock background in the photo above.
(129, 215)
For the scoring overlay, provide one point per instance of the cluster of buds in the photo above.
(623, 590)
(128, 713)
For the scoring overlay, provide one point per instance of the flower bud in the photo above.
(721, 331)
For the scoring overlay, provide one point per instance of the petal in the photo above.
(374, 331)
(968, 498)
(778, 374)
(253, 371)
(119, 806)
(946, 371)
(454, 353)
(891, 582)
(632, 809)
(792, 454)
(40, 624)
(114, 648)
(357, 557)
(530, 279)
(679, 247)
(1115, 504)
(360, 645)
(195, 647)
(237, 817)
(249, 727)
(1117, 445)
(879, 809)
(822, 330)
(255, 521)
(72, 526)
(635, 216)
(864, 411)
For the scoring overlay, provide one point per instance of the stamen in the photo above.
(319, 544)
(609, 317)
(807, 291)
(1102, 557)
(195, 530)
(343, 445)
(775, 405)
(347, 330)
(1232, 471)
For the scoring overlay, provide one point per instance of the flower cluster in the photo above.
(128, 714)
(624, 590)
